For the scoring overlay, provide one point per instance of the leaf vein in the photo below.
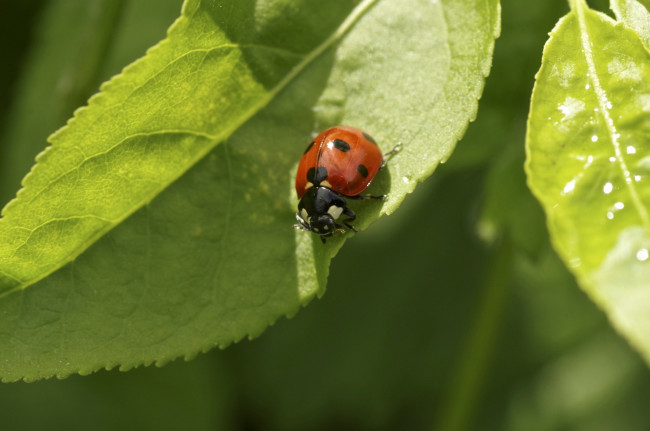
(114, 147)
(33, 230)
(307, 59)
(604, 108)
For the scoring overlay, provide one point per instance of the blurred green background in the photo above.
(454, 313)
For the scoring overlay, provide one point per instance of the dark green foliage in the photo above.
(453, 313)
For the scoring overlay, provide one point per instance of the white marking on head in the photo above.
(309, 185)
(325, 183)
(335, 212)
(304, 215)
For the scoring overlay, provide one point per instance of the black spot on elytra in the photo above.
(362, 170)
(311, 144)
(341, 145)
(315, 176)
(368, 137)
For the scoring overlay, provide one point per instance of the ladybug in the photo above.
(340, 163)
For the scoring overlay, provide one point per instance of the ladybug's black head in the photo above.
(319, 211)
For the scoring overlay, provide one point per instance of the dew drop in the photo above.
(587, 86)
(568, 188)
(637, 178)
(612, 159)
(630, 149)
(619, 205)
(594, 138)
(642, 254)
(607, 188)
(610, 215)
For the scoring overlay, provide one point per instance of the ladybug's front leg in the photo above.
(351, 217)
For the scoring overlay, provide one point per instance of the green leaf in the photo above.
(634, 14)
(100, 274)
(134, 138)
(79, 46)
(588, 151)
(58, 78)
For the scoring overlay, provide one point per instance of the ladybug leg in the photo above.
(328, 235)
(350, 227)
(362, 197)
(390, 154)
(303, 224)
(351, 217)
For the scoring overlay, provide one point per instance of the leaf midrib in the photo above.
(338, 34)
(603, 102)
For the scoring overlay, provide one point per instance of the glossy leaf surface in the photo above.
(169, 256)
(635, 15)
(588, 149)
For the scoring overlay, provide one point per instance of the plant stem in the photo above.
(469, 377)
(573, 4)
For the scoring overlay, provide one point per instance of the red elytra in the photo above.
(343, 159)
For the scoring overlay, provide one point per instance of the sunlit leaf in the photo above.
(588, 149)
(79, 45)
(635, 15)
(213, 258)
